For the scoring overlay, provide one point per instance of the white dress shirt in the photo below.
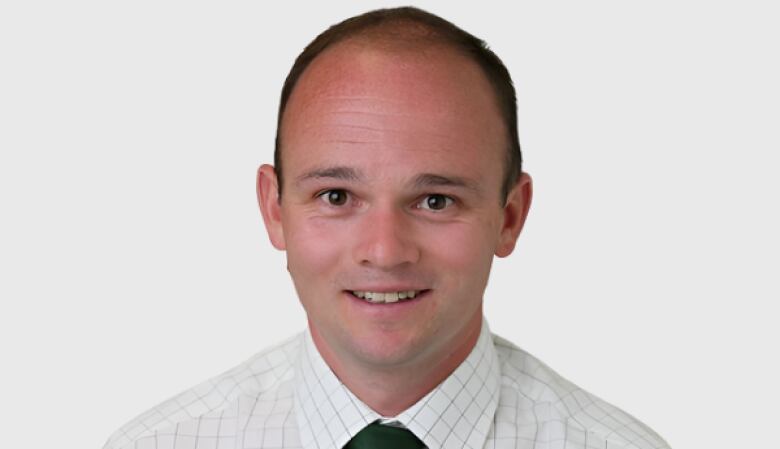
(287, 397)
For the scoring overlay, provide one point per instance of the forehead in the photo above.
(355, 101)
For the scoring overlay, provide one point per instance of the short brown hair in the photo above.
(385, 24)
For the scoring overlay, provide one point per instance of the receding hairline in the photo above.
(354, 47)
(399, 34)
(414, 36)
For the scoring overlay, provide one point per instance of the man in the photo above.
(397, 179)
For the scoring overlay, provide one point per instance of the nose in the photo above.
(385, 239)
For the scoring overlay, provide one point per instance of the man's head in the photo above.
(394, 153)
(412, 29)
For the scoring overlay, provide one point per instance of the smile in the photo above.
(386, 297)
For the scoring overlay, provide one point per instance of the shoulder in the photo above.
(211, 400)
(544, 401)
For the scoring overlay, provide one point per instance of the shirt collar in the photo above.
(457, 413)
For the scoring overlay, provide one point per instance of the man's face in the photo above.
(393, 165)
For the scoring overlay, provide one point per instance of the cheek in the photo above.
(464, 251)
(313, 250)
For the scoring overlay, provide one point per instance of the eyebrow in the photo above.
(342, 173)
(427, 180)
(420, 182)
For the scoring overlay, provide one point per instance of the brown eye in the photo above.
(436, 202)
(335, 197)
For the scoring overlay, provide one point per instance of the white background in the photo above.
(133, 261)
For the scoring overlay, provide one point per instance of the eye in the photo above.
(435, 202)
(335, 197)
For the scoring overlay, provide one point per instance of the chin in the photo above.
(386, 348)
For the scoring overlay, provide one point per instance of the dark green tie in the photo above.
(377, 436)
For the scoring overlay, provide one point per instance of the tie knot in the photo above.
(378, 436)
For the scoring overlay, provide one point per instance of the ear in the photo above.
(518, 201)
(270, 204)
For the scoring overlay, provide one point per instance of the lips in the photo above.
(386, 297)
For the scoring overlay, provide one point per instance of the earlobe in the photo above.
(515, 212)
(270, 204)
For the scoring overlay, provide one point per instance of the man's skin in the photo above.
(393, 164)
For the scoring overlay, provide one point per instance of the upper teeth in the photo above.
(386, 297)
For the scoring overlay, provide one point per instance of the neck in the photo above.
(389, 390)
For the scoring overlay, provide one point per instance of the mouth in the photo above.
(387, 297)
